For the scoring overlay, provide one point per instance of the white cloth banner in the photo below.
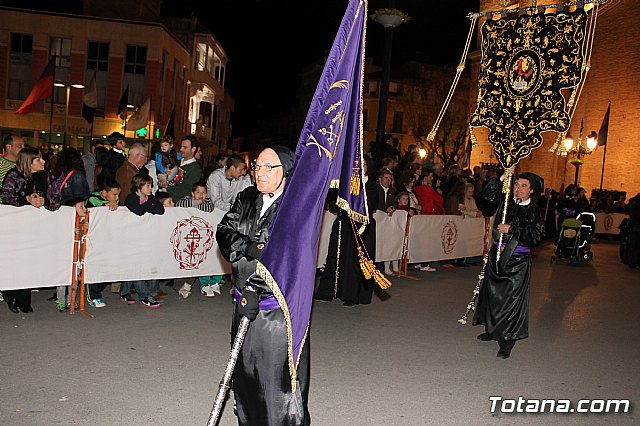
(389, 234)
(37, 247)
(179, 243)
(609, 223)
(440, 237)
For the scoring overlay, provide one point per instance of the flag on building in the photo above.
(90, 100)
(603, 133)
(41, 90)
(169, 130)
(124, 101)
(141, 117)
(329, 154)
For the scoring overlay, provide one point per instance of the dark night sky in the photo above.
(270, 42)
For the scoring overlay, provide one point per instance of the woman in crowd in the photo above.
(28, 183)
(73, 180)
(405, 184)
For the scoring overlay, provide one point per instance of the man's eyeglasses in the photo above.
(266, 167)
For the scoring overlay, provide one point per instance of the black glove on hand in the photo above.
(254, 250)
(248, 305)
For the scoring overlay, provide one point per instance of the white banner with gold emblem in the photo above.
(179, 243)
(440, 237)
(37, 247)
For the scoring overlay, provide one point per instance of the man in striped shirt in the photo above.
(12, 146)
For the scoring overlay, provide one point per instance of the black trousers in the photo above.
(19, 297)
(95, 290)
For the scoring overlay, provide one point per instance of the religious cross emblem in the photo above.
(192, 239)
(525, 63)
(449, 237)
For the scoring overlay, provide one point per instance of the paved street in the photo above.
(403, 361)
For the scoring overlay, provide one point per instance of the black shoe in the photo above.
(504, 353)
(348, 304)
(12, 307)
(505, 348)
(462, 264)
(484, 337)
(26, 308)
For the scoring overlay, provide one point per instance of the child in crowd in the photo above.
(198, 198)
(167, 160)
(108, 196)
(63, 292)
(402, 203)
(165, 198)
(141, 201)
(209, 285)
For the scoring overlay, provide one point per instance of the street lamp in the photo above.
(389, 19)
(580, 150)
(66, 108)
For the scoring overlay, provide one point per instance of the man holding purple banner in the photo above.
(260, 379)
(271, 376)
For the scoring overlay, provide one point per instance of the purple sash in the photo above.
(519, 251)
(267, 304)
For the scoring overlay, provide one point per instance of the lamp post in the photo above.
(580, 150)
(389, 19)
(66, 108)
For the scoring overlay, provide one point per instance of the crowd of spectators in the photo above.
(145, 179)
(150, 179)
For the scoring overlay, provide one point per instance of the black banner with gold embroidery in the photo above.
(526, 61)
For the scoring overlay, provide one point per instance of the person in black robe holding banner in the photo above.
(260, 379)
(342, 277)
(503, 301)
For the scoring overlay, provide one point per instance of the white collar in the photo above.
(189, 161)
(522, 203)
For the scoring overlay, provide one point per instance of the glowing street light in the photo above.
(66, 109)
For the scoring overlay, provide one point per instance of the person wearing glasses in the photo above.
(132, 166)
(261, 383)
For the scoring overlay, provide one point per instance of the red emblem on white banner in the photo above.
(191, 240)
(449, 236)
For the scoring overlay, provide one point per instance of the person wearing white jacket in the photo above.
(224, 184)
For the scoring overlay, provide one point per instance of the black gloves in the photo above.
(248, 306)
(254, 250)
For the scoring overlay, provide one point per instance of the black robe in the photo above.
(261, 381)
(630, 237)
(342, 277)
(503, 302)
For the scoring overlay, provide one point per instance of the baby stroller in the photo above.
(574, 240)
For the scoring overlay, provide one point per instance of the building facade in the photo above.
(177, 65)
